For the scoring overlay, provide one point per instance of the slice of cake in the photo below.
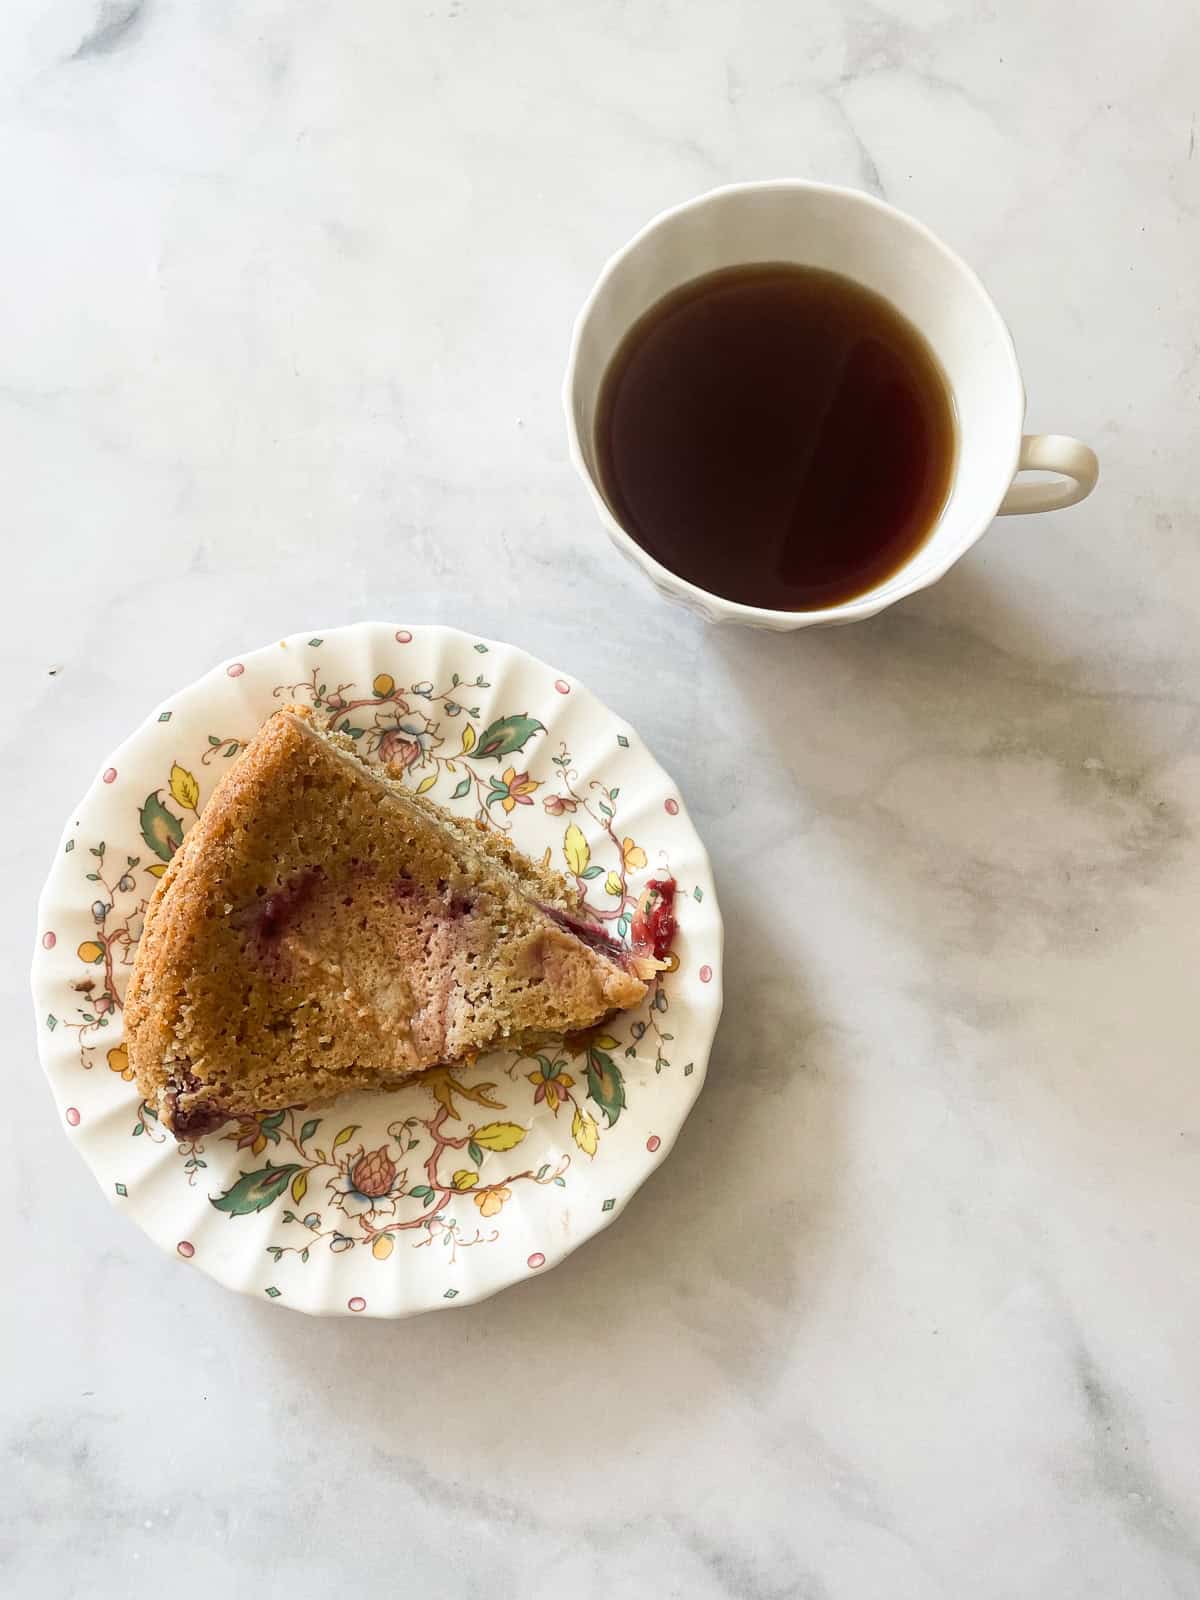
(324, 929)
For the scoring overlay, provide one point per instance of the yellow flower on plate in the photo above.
(632, 854)
(118, 1061)
(248, 1135)
(551, 1088)
(465, 1178)
(491, 1201)
(519, 787)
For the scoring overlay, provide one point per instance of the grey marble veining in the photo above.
(911, 1311)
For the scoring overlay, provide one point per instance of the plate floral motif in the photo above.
(467, 1179)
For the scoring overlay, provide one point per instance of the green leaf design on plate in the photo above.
(162, 831)
(255, 1191)
(462, 788)
(507, 735)
(605, 1084)
(270, 1126)
(309, 1128)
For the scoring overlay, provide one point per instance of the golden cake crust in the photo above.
(323, 929)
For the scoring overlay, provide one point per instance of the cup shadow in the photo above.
(994, 793)
(961, 689)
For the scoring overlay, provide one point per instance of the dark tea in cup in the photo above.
(776, 434)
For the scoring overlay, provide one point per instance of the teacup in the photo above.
(844, 231)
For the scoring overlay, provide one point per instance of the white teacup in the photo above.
(841, 230)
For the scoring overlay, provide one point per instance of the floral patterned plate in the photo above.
(464, 1181)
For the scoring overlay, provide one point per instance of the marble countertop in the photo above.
(912, 1310)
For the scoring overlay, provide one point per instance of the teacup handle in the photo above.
(1075, 463)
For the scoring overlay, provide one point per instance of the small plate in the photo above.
(464, 1181)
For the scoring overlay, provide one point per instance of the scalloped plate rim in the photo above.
(53, 892)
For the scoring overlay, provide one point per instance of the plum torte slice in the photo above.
(323, 929)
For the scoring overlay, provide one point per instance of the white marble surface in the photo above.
(913, 1309)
